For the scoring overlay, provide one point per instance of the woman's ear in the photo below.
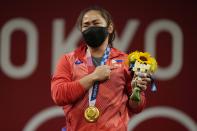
(110, 28)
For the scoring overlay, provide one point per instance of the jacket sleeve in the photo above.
(63, 90)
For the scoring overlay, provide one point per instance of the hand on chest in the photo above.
(81, 69)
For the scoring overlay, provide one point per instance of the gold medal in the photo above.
(91, 114)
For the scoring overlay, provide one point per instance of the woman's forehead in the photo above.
(92, 15)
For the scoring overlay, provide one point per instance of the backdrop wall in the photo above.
(33, 35)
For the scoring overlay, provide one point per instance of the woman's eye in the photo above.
(96, 23)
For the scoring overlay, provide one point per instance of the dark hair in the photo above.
(105, 14)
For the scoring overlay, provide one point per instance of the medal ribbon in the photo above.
(93, 91)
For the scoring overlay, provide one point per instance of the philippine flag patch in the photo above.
(117, 63)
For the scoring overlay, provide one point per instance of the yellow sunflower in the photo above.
(133, 56)
(143, 58)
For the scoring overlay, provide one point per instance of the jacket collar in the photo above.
(80, 52)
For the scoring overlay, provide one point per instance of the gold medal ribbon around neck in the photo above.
(92, 113)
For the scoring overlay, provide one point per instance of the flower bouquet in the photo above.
(141, 63)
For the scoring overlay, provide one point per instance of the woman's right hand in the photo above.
(102, 73)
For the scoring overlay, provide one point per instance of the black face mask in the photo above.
(95, 36)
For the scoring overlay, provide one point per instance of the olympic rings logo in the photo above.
(161, 111)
